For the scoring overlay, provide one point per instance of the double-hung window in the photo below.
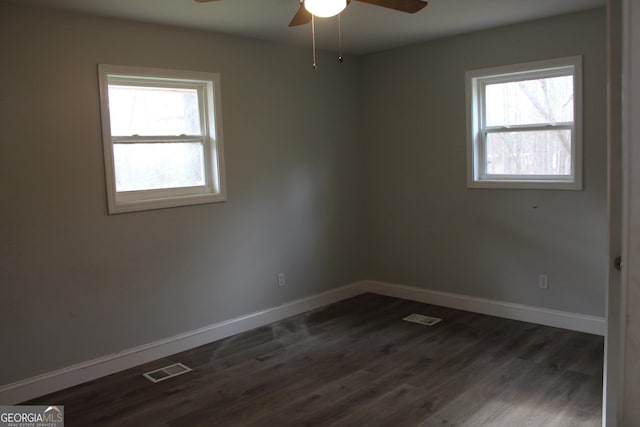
(162, 137)
(524, 125)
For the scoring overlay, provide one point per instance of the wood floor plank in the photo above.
(357, 363)
(473, 399)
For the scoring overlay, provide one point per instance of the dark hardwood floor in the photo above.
(357, 363)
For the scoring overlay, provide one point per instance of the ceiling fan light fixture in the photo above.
(325, 8)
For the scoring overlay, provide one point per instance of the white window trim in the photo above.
(208, 86)
(476, 79)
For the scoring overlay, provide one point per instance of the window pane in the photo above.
(148, 166)
(138, 110)
(545, 152)
(548, 100)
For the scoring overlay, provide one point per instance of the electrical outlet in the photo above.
(281, 280)
(543, 281)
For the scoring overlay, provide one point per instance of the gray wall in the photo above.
(77, 283)
(316, 189)
(427, 229)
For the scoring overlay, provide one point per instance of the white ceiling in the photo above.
(365, 28)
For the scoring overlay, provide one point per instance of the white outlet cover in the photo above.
(543, 281)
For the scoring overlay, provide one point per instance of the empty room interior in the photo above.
(416, 234)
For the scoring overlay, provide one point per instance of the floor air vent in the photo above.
(423, 320)
(167, 372)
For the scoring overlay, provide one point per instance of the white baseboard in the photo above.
(543, 316)
(86, 371)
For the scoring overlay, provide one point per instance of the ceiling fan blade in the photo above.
(301, 17)
(409, 6)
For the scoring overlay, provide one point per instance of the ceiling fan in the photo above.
(303, 16)
(310, 9)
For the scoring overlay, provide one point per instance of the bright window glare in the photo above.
(151, 166)
(546, 100)
(529, 153)
(138, 110)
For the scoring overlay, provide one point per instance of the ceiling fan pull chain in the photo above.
(340, 58)
(313, 38)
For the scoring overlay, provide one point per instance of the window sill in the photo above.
(526, 185)
(119, 206)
